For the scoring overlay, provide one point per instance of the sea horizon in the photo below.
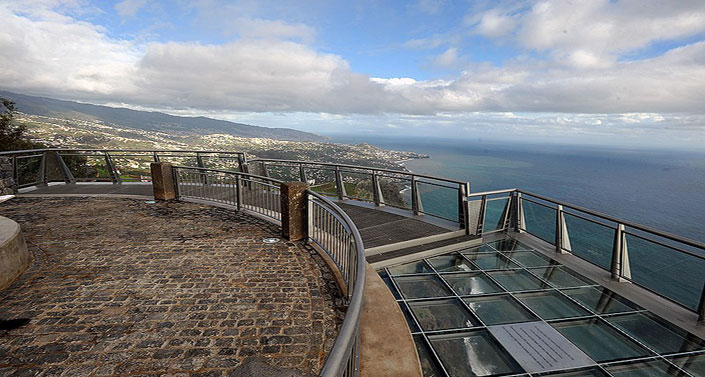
(657, 187)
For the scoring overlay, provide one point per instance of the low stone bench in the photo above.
(14, 256)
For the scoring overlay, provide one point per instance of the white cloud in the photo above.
(494, 24)
(266, 71)
(449, 58)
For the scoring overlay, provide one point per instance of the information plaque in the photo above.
(538, 347)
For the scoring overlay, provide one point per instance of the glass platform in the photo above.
(455, 302)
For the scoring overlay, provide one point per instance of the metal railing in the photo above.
(668, 265)
(30, 167)
(255, 194)
(395, 188)
(331, 230)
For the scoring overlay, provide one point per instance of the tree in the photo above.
(12, 135)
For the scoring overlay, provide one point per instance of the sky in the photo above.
(588, 72)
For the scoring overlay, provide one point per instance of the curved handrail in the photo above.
(392, 171)
(272, 180)
(346, 342)
(41, 150)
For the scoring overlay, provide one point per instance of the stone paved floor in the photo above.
(122, 287)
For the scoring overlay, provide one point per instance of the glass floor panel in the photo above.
(561, 277)
(429, 367)
(471, 284)
(591, 372)
(599, 341)
(427, 290)
(500, 309)
(492, 261)
(422, 286)
(413, 327)
(653, 368)
(551, 305)
(442, 315)
(509, 244)
(656, 334)
(417, 267)
(519, 280)
(601, 300)
(531, 259)
(694, 364)
(451, 263)
(473, 353)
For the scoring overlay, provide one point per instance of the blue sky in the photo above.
(599, 72)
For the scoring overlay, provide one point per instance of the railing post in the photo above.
(519, 220)
(199, 162)
(14, 171)
(377, 196)
(562, 238)
(462, 208)
(238, 192)
(263, 166)
(43, 170)
(701, 307)
(302, 174)
(163, 182)
(114, 176)
(416, 205)
(156, 157)
(242, 163)
(339, 184)
(68, 177)
(293, 210)
(620, 268)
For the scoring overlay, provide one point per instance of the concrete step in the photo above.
(423, 250)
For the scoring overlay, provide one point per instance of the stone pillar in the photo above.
(8, 186)
(293, 205)
(163, 181)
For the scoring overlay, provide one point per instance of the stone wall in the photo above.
(7, 183)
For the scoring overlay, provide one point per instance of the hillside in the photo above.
(148, 120)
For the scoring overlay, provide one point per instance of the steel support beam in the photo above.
(68, 177)
(340, 184)
(114, 175)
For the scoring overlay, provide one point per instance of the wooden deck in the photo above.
(377, 226)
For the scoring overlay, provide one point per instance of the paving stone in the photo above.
(122, 287)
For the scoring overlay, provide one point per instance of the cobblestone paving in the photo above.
(122, 287)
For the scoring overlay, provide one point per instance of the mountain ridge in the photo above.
(149, 120)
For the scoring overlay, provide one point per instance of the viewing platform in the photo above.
(500, 283)
(123, 287)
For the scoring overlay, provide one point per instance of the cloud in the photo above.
(128, 8)
(590, 33)
(494, 24)
(449, 58)
(273, 69)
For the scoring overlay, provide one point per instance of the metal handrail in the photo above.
(402, 172)
(346, 347)
(42, 150)
(630, 224)
(271, 180)
(619, 265)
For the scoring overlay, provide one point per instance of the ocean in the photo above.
(662, 189)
